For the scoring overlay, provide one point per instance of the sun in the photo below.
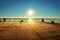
(30, 12)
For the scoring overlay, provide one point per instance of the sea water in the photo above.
(56, 20)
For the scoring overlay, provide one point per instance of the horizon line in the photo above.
(29, 17)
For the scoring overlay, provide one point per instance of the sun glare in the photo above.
(30, 15)
(30, 12)
(30, 19)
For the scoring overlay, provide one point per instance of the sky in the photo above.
(46, 8)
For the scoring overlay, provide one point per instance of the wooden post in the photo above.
(0, 20)
(4, 20)
(52, 21)
(21, 21)
(42, 20)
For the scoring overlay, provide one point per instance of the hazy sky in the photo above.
(21, 7)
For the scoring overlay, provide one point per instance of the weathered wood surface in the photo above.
(29, 31)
